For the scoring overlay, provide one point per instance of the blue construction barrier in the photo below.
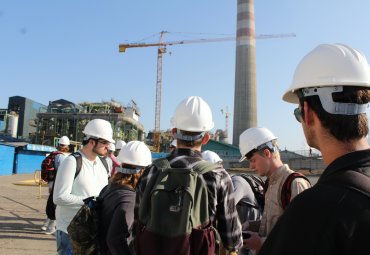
(6, 159)
(29, 161)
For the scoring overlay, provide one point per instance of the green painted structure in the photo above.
(229, 153)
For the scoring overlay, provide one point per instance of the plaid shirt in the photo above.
(220, 195)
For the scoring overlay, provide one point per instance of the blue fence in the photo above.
(27, 158)
(29, 161)
(6, 159)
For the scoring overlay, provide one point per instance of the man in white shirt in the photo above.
(70, 190)
(63, 150)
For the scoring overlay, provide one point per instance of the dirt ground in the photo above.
(22, 213)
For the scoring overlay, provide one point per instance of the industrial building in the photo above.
(18, 119)
(40, 124)
(66, 118)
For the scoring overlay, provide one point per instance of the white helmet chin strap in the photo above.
(325, 95)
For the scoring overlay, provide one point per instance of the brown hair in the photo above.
(342, 127)
(190, 143)
(129, 180)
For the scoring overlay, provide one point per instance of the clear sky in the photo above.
(69, 49)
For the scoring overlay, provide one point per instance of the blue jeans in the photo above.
(64, 244)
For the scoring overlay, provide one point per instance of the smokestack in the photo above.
(245, 103)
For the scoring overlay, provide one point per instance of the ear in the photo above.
(267, 153)
(206, 138)
(309, 115)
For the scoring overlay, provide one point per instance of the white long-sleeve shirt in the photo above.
(70, 192)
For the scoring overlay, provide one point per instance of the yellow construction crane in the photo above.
(162, 50)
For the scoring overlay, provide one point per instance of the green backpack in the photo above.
(173, 213)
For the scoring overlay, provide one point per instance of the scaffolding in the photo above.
(65, 118)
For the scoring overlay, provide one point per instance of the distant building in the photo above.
(63, 117)
(20, 117)
(229, 153)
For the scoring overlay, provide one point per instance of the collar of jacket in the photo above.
(357, 160)
(184, 152)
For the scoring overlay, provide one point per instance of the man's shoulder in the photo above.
(69, 159)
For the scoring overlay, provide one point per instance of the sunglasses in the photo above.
(297, 114)
(105, 142)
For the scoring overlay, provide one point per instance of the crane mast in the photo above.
(158, 95)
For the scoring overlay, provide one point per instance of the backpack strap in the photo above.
(201, 167)
(78, 158)
(105, 163)
(286, 191)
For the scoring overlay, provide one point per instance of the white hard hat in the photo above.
(119, 144)
(253, 138)
(193, 114)
(135, 153)
(211, 156)
(112, 147)
(173, 143)
(329, 65)
(64, 140)
(99, 128)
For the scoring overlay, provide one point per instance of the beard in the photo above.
(309, 133)
(100, 151)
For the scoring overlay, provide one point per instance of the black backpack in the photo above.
(257, 185)
(50, 206)
(84, 229)
(173, 217)
(48, 169)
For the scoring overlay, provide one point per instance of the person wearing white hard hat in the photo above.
(212, 157)
(63, 146)
(49, 226)
(259, 146)
(70, 190)
(119, 145)
(111, 159)
(119, 198)
(331, 87)
(192, 120)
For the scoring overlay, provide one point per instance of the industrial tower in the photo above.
(245, 98)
